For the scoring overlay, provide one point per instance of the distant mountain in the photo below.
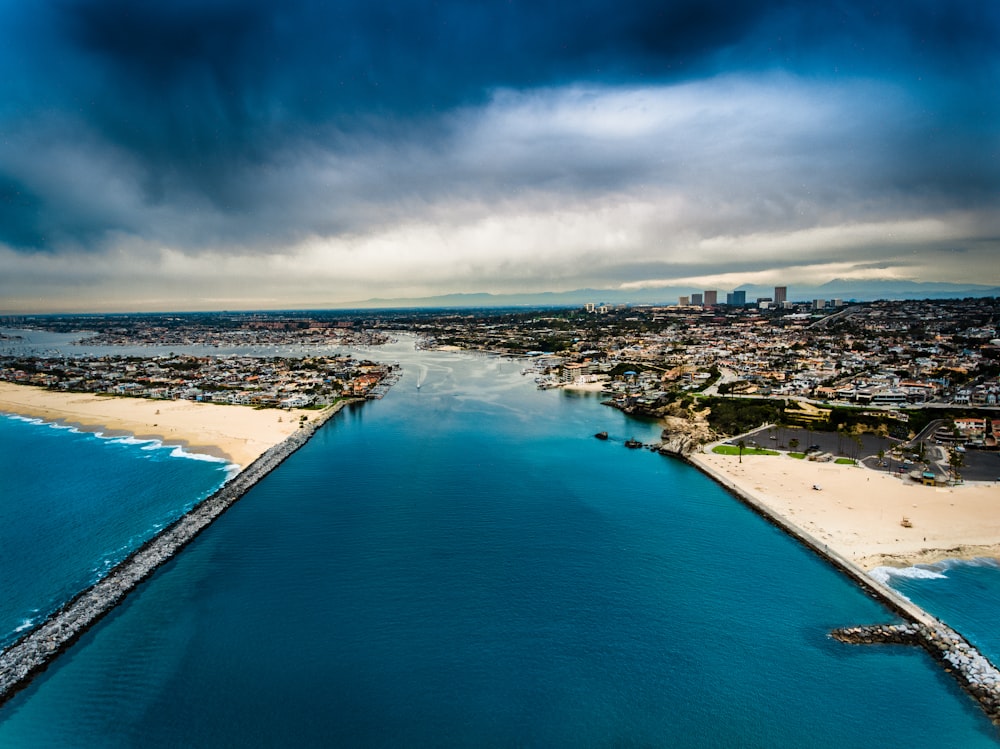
(840, 288)
(542, 299)
(869, 290)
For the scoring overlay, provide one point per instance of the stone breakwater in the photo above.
(971, 669)
(30, 655)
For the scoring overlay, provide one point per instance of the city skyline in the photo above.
(240, 155)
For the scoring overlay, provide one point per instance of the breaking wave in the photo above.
(885, 575)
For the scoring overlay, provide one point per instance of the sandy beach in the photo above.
(858, 512)
(236, 433)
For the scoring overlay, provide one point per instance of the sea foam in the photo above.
(885, 575)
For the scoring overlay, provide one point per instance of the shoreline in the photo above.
(238, 434)
(869, 517)
(31, 654)
(896, 602)
(973, 671)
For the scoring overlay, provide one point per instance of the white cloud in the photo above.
(728, 180)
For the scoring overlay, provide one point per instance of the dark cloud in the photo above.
(324, 58)
(20, 215)
(207, 80)
(250, 125)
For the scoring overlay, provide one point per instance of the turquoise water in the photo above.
(962, 593)
(73, 503)
(465, 565)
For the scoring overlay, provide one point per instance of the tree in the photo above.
(859, 444)
(793, 443)
(742, 446)
(955, 461)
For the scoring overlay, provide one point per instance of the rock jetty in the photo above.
(973, 671)
(30, 655)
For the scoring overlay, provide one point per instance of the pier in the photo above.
(32, 653)
(974, 672)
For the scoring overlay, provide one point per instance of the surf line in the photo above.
(35, 650)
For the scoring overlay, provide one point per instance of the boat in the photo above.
(601, 435)
(632, 444)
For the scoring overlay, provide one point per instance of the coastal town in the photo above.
(930, 352)
(217, 329)
(881, 399)
(277, 382)
(820, 363)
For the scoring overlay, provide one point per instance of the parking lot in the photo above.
(979, 465)
(837, 445)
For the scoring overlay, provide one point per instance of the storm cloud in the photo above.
(172, 154)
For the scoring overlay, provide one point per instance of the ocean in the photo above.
(464, 564)
(74, 503)
(964, 593)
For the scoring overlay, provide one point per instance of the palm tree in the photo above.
(955, 461)
(742, 446)
(793, 443)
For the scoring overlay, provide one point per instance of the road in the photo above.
(725, 377)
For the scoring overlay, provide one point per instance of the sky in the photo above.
(252, 154)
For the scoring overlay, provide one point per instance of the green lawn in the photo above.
(845, 462)
(797, 456)
(732, 450)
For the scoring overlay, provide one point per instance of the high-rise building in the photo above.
(780, 294)
(737, 298)
(711, 298)
(819, 304)
(696, 300)
(683, 301)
